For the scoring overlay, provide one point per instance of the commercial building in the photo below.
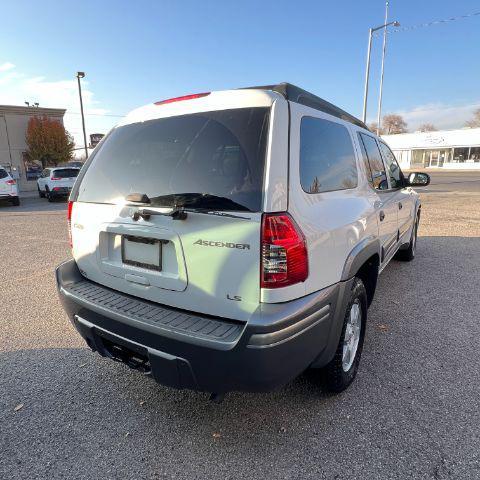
(13, 127)
(453, 149)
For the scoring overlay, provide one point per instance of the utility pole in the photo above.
(79, 76)
(380, 94)
(367, 74)
(367, 69)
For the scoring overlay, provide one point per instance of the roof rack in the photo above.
(298, 95)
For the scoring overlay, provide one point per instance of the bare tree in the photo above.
(373, 128)
(475, 122)
(393, 124)
(427, 127)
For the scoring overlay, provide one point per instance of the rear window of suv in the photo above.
(220, 154)
(3, 173)
(65, 173)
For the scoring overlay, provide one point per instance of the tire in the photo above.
(342, 369)
(48, 194)
(15, 201)
(408, 254)
(40, 193)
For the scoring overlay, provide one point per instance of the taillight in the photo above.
(69, 223)
(185, 97)
(11, 182)
(55, 178)
(284, 252)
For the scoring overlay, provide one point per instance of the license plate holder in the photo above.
(142, 252)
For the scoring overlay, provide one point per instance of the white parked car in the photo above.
(8, 188)
(230, 240)
(55, 182)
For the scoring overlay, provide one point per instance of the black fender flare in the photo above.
(360, 253)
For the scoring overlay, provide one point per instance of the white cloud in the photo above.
(6, 66)
(17, 88)
(442, 115)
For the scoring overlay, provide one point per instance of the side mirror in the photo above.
(418, 179)
(383, 185)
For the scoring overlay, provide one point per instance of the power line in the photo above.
(432, 23)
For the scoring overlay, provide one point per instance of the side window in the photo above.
(393, 169)
(327, 159)
(377, 169)
(365, 160)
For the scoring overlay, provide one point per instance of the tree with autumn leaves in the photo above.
(48, 141)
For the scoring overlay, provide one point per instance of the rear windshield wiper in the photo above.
(183, 203)
(145, 213)
(179, 213)
(205, 201)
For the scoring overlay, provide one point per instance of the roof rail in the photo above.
(298, 95)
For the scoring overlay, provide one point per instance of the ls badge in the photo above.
(237, 298)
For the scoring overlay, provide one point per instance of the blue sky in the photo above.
(139, 52)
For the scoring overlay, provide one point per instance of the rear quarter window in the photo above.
(327, 158)
(3, 173)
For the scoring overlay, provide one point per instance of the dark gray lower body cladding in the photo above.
(187, 350)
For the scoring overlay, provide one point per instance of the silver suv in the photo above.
(230, 240)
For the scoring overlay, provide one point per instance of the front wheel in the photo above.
(408, 254)
(342, 369)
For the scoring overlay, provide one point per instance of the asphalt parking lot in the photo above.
(413, 411)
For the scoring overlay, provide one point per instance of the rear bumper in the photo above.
(60, 191)
(187, 350)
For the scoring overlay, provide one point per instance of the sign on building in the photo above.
(95, 139)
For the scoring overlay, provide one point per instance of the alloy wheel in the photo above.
(352, 336)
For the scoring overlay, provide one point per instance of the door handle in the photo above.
(382, 215)
(400, 206)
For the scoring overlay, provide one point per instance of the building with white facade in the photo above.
(13, 127)
(453, 149)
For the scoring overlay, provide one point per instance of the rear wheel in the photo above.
(48, 194)
(408, 254)
(342, 369)
(15, 201)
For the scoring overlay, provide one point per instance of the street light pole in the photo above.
(79, 76)
(367, 74)
(379, 113)
(367, 70)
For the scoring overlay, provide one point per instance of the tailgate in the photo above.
(211, 161)
(206, 263)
